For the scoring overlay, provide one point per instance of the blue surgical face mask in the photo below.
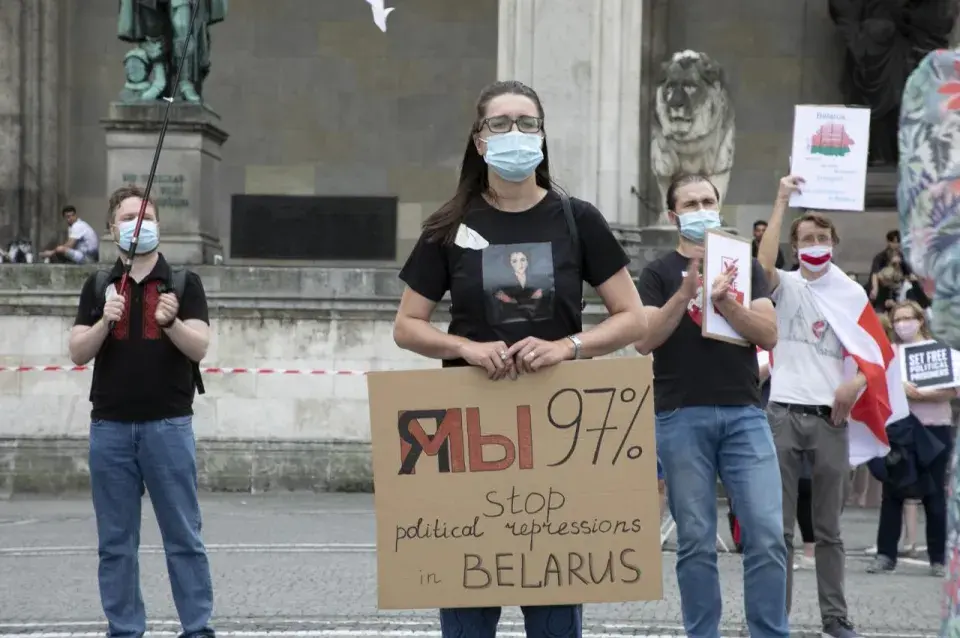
(694, 226)
(514, 156)
(149, 237)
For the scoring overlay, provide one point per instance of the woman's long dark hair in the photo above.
(443, 224)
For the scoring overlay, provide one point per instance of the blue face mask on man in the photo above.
(514, 156)
(694, 226)
(149, 236)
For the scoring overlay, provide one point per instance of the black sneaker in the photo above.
(838, 628)
(881, 565)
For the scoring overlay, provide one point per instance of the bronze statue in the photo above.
(161, 29)
(885, 41)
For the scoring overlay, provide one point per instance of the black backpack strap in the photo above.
(178, 281)
(572, 227)
(574, 237)
(100, 282)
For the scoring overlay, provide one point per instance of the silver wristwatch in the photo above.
(577, 344)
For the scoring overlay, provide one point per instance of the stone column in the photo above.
(187, 180)
(583, 57)
(31, 94)
(10, 119)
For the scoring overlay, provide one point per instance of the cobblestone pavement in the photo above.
(303, 566)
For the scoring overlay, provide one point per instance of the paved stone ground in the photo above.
(303, 566)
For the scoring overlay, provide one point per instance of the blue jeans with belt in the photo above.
(556, 621)
(161, 457)
(695, 445)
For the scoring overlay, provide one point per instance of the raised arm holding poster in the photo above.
(830, 145)
(721, 252)
(538, 491)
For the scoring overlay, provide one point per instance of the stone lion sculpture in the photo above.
(694, 125)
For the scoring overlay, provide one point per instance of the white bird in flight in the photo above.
(380, 13)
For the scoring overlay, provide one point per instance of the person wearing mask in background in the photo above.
(759, 228)
(820, 313)
(513, 252)
(83, 243)
(145, 342)
(709, 420)
(932, 409)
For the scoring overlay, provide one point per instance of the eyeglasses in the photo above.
(504, 124)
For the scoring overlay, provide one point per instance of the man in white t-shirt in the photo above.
(83, 243)
(809, 399)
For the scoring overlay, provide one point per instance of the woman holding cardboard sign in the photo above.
(932, 409)
(513, 253)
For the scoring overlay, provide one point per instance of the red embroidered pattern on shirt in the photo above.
(151, 299)
(121, 329)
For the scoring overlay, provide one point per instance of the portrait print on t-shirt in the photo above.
(518, 282)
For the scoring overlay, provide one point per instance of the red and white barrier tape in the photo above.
(275, 371)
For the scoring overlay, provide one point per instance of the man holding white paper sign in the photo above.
(709, 420)
(834, 387)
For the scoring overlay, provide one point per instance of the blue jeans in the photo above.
(696, 444)
(160, 456)
(556, 621)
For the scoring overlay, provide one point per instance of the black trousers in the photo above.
(934, 507)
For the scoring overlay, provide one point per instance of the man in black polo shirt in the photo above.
(145, 343)
(709, 421)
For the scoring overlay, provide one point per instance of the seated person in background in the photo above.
(83, 243)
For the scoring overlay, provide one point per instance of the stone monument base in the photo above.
(186, 185)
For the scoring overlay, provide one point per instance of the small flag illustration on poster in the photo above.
(380, 13)
(830, 139)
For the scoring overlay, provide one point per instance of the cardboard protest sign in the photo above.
(830, 146)
(538, 491)
(721, 251)
(930, 365)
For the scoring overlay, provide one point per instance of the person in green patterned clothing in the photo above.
(928, 199)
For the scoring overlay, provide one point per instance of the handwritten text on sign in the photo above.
(167, 191)
(536, 491)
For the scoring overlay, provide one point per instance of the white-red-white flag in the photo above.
(844, 305)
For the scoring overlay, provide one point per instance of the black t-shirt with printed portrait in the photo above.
(527, 281)
(688, 368)
(139, 374)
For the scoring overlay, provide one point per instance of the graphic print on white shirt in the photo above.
(808, 358)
